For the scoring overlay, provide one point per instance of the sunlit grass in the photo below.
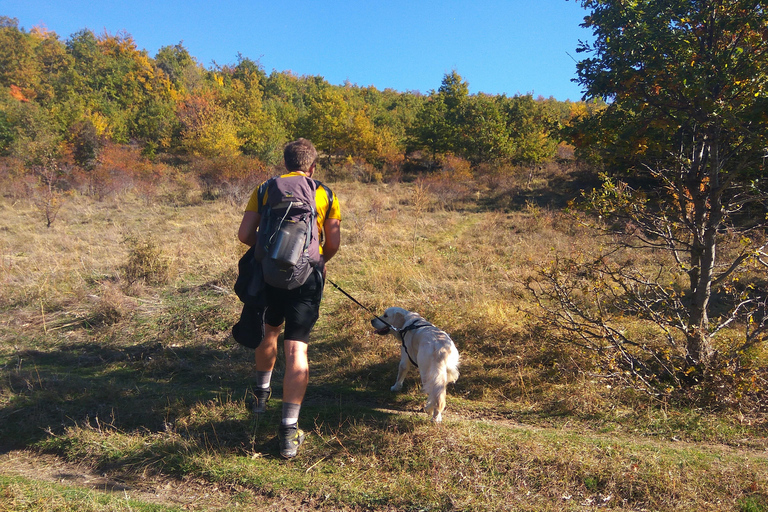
(137, 378)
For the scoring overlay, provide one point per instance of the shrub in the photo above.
(232, 178)
(356, 169)
(111, 306)
(146, 262)
(453, 183)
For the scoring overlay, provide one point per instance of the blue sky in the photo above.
(498, 47)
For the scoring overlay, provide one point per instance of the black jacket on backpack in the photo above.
(251, 279)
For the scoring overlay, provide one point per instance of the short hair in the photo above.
(299, 155)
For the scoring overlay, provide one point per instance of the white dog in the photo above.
(426, 347)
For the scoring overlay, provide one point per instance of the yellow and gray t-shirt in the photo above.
(322, 199)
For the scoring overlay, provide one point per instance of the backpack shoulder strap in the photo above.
(262, 192)
(328, 194)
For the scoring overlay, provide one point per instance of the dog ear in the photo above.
(400, 316)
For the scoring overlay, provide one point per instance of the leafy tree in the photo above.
(85, 144)
(248, 71)
(6, 133)
(438, 125)
(397, 112)
(484, 133)
(431, 130)
(484, 128)
(121, 86)
(103, 84)
(208, 129)
(175, 61)
(375, 144)
(326, 122)
(38, 146)
(18, 64)
(242, 96)
(454, 90)
(686, 87)
(531, 126)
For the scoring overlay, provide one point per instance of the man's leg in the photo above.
(266, 352)
(296, 374)
(300, 317)
(266, 355)
(294, 387)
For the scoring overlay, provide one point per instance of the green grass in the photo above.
(140, 381)
(24, 494)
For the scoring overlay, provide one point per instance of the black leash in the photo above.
(356, 302)
(401, 332)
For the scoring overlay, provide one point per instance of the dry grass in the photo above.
(135, 375)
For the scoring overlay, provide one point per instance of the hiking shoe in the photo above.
(291, 438)
(261, 396)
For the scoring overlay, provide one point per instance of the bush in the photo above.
(146, 262)
(232, 177)
(356, 169)
(111, 306)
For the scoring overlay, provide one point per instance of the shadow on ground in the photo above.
(181, 398)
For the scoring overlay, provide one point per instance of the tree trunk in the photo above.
(706, 218)
(698, 343)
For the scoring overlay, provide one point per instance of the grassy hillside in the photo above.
(118, 368)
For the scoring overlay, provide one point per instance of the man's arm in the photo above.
(247, 231)
(332, 231)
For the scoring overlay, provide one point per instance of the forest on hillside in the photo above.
(676, 132)
(72, 102)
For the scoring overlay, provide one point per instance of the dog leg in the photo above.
(437, 408)
(402, 371)
(436, 394)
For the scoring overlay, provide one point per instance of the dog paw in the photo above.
(396, 387)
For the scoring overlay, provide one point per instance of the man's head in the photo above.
(300, 155)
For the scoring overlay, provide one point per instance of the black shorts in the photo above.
(298, 308)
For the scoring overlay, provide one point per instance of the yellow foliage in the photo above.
(98, 121)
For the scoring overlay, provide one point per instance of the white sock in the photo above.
(263, 379)
(290, 413)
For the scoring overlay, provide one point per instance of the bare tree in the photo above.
(48, 196)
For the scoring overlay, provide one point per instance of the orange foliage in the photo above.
(118, 45)
(120, 168)
(17, 93)
(453, 183)
(42, 32)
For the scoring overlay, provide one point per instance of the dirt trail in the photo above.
(195, 494)
(49, 468)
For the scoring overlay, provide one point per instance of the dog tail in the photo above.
(452, 366)
(447, 371)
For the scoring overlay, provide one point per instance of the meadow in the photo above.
(122, 388)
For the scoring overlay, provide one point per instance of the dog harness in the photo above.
(418, 324)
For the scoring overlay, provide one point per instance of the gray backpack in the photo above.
(287, 241)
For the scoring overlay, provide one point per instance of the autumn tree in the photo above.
(18, 63)
(396, 111)
(207, 128)
(39, 147)
(243, 95)
(687, 120)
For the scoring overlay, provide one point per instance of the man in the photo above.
(297, 308)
